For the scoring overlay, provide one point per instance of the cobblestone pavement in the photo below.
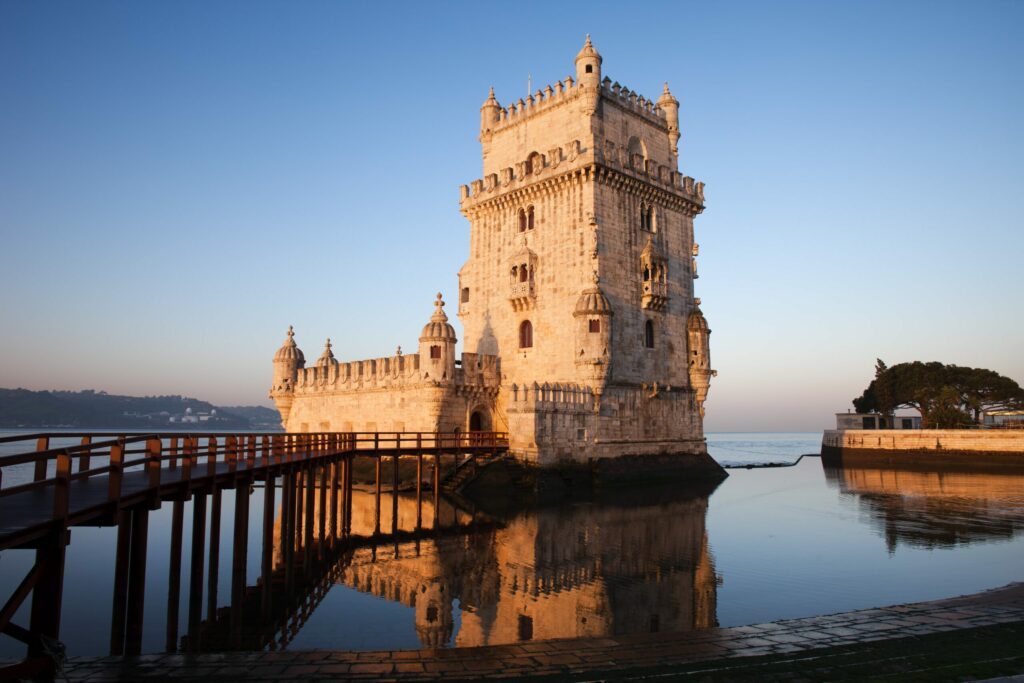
(658, 654)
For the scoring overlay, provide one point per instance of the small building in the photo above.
(877, 421)
(1004, 418)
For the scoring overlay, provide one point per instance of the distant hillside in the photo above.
(20, 408)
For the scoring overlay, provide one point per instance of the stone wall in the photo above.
(972, 449)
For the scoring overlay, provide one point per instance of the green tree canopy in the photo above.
(945, 395)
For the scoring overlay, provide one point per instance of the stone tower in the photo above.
(580, 272)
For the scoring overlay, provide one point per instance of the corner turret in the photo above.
(288, 360)
(670, 105)
(490, 114)
(698, 335)
(593, 315)
(588, 75)
(437, 346)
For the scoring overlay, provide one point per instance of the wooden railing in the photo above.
(115, 479)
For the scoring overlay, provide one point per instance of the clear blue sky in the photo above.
(180, 181)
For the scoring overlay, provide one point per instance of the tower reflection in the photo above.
(609, 567)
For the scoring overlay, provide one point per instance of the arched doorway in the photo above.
(476, 422)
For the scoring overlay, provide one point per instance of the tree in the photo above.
(945, 395)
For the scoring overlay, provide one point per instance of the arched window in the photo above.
(524, 273)
(529, 218)
(595, 324)
(525, 335)
(515, 273)
(646, 217)
(435, 351)
(522, 220)
(647, 273)
(649, 334)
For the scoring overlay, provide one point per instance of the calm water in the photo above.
(765, 544)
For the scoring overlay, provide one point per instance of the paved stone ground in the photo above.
(921, 641)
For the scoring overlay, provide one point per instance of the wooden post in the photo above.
(240, 553)
(394, 496)
(325, 471)
(287, 538)
(195, 584)
(310, 520)
(137, 580)
(211, 456)
(124, 530)
(437, 490)
(153, 453)
(334, 470)
(42, 444)
(419, 487)
(267, 567)
(173, 448)
(231, 452)
(346, 489)
(174, 575)
(44, 619)
(84, 459)
(376, 503)
(213, 573)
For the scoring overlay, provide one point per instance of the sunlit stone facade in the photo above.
(583, 337)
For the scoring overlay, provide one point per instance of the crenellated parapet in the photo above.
(571, 162)
(395, 372)
(635, 103)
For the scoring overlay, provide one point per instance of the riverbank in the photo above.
(973, 449)
(974, 636)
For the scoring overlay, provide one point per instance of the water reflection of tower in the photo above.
(587, 570)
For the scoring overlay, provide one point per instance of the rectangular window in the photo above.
(465, 294)
(868, 423)
(435, 351)
(595, 325)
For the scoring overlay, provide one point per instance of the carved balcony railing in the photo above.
(655, 295)
(522, 295)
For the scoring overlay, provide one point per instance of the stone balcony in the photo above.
(655, 295)
(522, 295)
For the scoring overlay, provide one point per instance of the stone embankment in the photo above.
(971, 448)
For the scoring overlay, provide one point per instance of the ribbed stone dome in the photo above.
(697, 321)
(438, 329)
(289, 351)
(327, 357)
(588, 51)
(593, 302)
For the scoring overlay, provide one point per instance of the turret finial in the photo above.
(440, 302)
(291, 331)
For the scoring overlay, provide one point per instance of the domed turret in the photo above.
(437, 346)
(288, 360)
(438, 329)
(326, 358)
(490, 112)
(588, 75)
(290, 351)
(593, 315)
(670, 105)
(699, 362)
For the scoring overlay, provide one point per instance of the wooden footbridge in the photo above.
(108, 479)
